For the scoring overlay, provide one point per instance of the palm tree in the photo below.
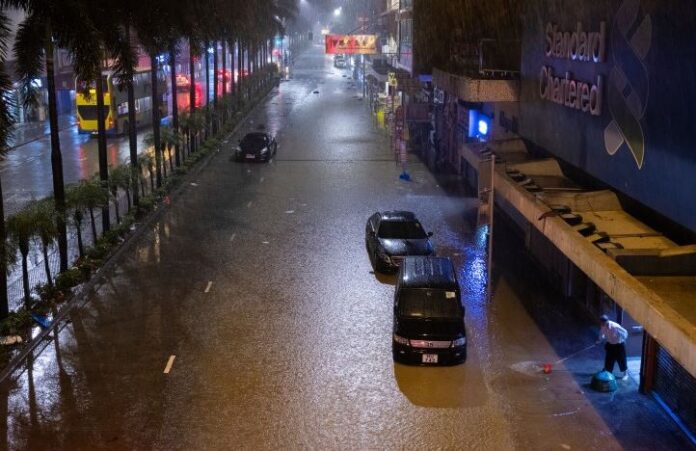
(44, 28)
(21, 229)
(93, 195)
(147, 162)
(170, 139)
(46, 230)
(119, 178)
(77, 204)
(6, 121)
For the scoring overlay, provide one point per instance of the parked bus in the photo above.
(116, 103)
(183, 95)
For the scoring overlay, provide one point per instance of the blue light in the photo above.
(483, 127)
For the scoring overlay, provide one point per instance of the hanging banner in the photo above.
(351, 44)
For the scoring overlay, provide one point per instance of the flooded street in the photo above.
(254, 290)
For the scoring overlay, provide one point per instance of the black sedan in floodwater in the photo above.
(257, 146)
(392, 235)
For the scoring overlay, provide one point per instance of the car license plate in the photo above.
(250, 155)
(429, 358)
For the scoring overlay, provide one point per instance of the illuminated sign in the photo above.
(576, 45)
(351, 44)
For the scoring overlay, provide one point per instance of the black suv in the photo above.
(392, 235)
(428, 313)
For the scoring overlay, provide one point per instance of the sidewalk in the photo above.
(27, 132)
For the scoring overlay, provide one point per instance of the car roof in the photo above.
(428, 272)
(256, 134)
(397, 215)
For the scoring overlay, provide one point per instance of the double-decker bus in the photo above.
(116, 102)
(183, 86)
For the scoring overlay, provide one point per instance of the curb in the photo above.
(79, 296)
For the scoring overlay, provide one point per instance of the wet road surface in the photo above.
(248, 318)
(26, 170)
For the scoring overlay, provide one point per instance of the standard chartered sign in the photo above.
(576, 45)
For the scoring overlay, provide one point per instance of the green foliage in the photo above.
(47, 292)
(16, 323)
(69, 279)
(99, 251)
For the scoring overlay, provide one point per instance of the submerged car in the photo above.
(392, 235)
(428, 313)
(257, 146)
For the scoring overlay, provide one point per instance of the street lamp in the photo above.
(338, 11)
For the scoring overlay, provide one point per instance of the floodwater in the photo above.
(248, 317)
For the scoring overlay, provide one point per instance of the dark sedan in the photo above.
(258, 146)
(392, 235)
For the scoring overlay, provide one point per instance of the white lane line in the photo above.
(170, 362)
(249, 204)
(264, 242)
(207, 288)
(234, 235)
(290, 212)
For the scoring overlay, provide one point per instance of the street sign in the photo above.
(392, 80)
(351, 44)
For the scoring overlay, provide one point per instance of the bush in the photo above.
(49, 293)
(99, 251)
(70, 278)
(15, 323)
(112, 236)
(146, 203)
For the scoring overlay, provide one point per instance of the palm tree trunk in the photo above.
(103, 162)
(175, 107)
(132, 133)
(192, 86)
(240, 69)
(156, 119)
(207, 72)
(56, 155)
(4, 305)
(128, 196)
(47, 266)
(78, 231)
(215, 84)
(94, 225)
(164, 163)
(233, 89)
(224, 78)
(118, 211)
(25, 280)
(142, 185)
(171, 161)
(152, 180)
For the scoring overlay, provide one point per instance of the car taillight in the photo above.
(401, 340)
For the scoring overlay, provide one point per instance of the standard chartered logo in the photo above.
(628, 87)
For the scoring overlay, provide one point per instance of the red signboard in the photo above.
(351, 44)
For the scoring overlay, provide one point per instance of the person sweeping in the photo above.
(615, 346)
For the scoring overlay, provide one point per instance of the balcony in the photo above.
(487, 72)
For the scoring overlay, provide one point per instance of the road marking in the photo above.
(262, 179)
(234, 235)
(249, 204)
(290, 212)
(264, 242)
(170, 362)
(210, 284)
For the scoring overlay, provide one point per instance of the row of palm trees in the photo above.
(100, 33)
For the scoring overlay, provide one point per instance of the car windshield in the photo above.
(253, 141)
(429, 303)
(404, 230)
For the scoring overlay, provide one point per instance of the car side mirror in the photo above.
(430, 234)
